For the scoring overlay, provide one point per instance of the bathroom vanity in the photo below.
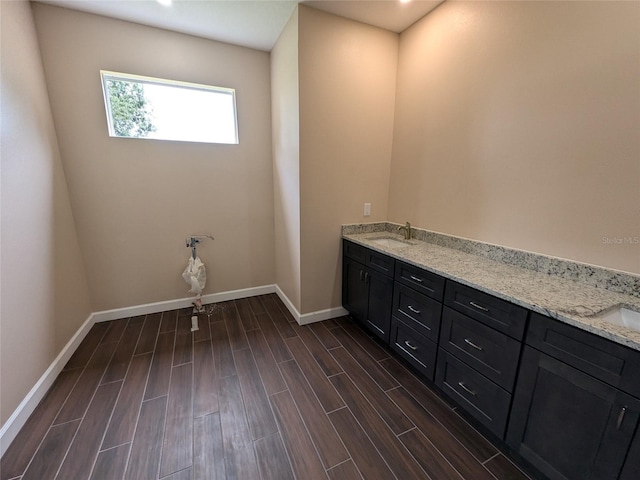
(524, 354)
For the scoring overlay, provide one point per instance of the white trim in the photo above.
(287, 303)
(107, 76)
(307, 318)
(321, 315)
(107, 315)
(21, 414)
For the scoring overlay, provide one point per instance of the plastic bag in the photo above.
(195, 275)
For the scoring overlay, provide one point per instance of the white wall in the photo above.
(347, 75)
(517, 123)
(285, 106)
(44, 296)
(134, 201)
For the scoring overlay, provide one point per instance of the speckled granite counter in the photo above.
(578, 300)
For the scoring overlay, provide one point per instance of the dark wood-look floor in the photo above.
(251, 395)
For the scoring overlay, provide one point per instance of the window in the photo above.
(146, 107)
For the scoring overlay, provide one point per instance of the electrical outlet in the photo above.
(367, 209)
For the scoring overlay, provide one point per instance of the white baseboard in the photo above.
(107, 315)
(21, 414)
(321, 315)
(307, 318)
(287, 303)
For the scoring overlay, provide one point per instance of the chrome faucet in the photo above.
(407, 230)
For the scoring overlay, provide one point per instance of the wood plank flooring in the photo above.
(250, 395)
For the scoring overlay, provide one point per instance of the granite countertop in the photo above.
(575, 303)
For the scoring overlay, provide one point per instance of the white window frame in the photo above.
(106, 75)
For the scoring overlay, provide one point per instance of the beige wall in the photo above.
(517, 124)
(134, 201)
(44, 297)
(285, 121)
(347, 75)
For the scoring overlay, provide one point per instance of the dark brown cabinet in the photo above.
(415, 322)
(566, 401)
(489, 352)
(567, 420)
(367, 288)
(480, 344)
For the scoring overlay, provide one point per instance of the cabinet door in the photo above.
(568, 424)
(379, 305)
(355, 291)
(631, 469)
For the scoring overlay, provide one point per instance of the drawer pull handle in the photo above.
(469, 342)
(416, 311)
(408, 344)
(466, 389)
(415, 279)
(621, 417)
(479, 307)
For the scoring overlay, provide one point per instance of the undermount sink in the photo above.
(390, 242)
(623, 317)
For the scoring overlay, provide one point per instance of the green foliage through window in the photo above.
(131, 114)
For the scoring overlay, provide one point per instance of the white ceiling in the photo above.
(250, 23)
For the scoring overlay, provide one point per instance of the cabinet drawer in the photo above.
(495, 312)
(607, 361)
(354, 251)
(418, 350)
(480, 397)
(427, 283)
(417, 310)
(379, 262)
(488, 351)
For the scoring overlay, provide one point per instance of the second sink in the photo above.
(623, 317)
